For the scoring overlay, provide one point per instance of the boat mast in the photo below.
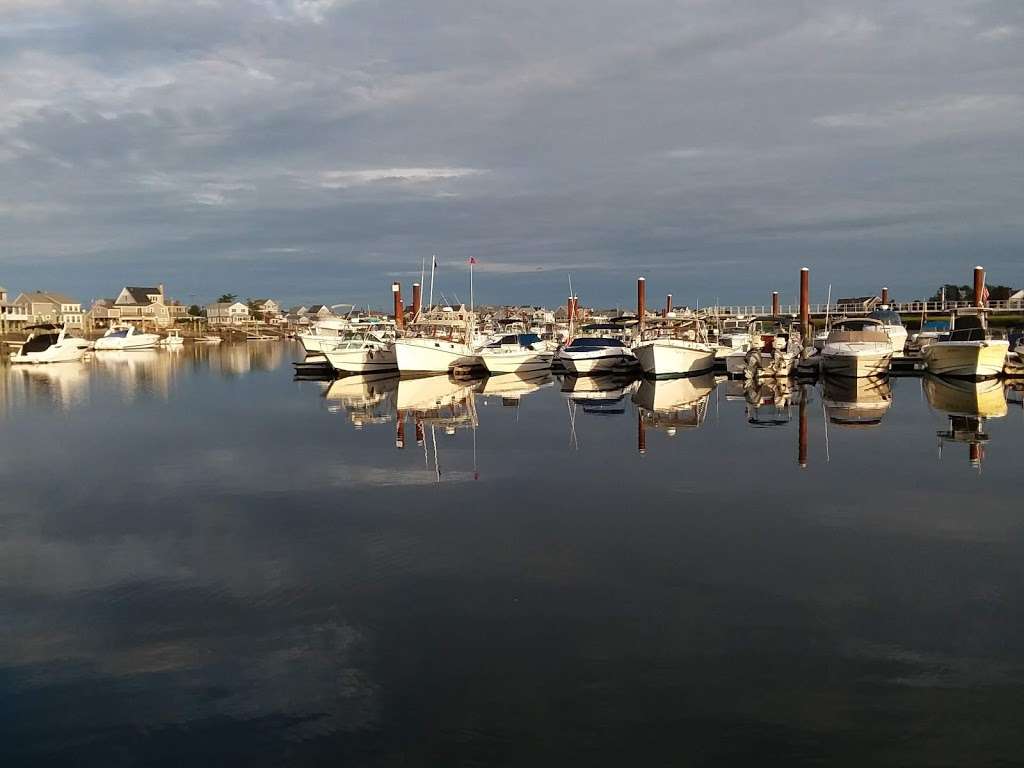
(433, 267)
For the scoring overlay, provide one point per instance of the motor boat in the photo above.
(857, 347)
(774, 350)
(593, 355)
(49, 343)
(438, 341)
(733, 335)
(516, 353)
(855, 402)
(208, 339)
(968, 351)
(172, 339)
(361, 352)
(329, 332)
(126, 337)
(893, 326)
(674, 348)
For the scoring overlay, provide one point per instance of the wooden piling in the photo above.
(396, 290)
(775, 304)
(416, 298)
(641, 300)
(885, 295)
(979, 286)
(805, 305)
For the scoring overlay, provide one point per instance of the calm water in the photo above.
(205, 562)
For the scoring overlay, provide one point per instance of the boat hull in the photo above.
(67, 351)
(857, 362)
(517, 362)
(674, 358)
(597, 362)
(124, 344)
(363, 361)
(966, 359)
(425, 356)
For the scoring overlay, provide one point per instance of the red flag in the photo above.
(472, 260)
(984, 295)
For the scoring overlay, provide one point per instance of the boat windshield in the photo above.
(587, 342)
(39, 342)
(120, 333)
(887, 316)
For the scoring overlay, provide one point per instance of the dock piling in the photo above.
(416, 298)
(979, 286)
(396, 290)
(641, 300)
(805, 305)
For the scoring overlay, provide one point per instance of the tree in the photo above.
(227, 298)
(966, 293)
(196, 311)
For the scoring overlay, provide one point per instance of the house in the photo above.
(137, 305)
(857, 304)
(1016, 300)
(225, 313)
(50, 307)
(316, 312)
(266, 310)
(12, 318)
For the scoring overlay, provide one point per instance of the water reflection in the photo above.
(856, 402)
(967, 405)
(513, 386)
(671, 404)
(366, 399)
(63, 386)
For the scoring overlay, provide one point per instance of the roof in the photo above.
(50, 296)
(859, 300)
(318, 307)
(140, 295)
(224, 304)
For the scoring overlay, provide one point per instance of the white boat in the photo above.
(324, 334)
(209, 339)
(50, 343)
(673, 348)
(893, 326)
(774, 350)
(516, 353)
(967, 351)
(126, 337)
(733, 336)
(857, 347)
(172, 339)
(438, 341)
(361, 352)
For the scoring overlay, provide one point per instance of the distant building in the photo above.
(225, 313)
(315, 312)
(1016, 300)
(12, 318)
(137, 305)
(266, 310)
(50, 307)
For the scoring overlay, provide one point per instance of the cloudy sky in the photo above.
(318, 149)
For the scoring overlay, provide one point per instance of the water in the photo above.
(206, 563)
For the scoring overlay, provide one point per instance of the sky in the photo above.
(319, 149)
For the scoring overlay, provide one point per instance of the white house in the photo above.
(1016, 299)
(267, 310)
(137, 304)
(224, 313)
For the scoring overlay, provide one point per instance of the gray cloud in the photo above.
(326, 146)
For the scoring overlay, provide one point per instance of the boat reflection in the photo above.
(436, 403)
(860, 402)
(671, 404)
(366, 398)
(598, 394)
(1015, 392)
(767, 400)
(61, 385)
(510, 387)
(967, 405)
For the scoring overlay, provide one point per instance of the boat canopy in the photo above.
(887, 316)
(589, 342)
(40, 342)
(522, 339)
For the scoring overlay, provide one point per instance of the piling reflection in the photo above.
(671, 404)
(967, 405)
(856, 402)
